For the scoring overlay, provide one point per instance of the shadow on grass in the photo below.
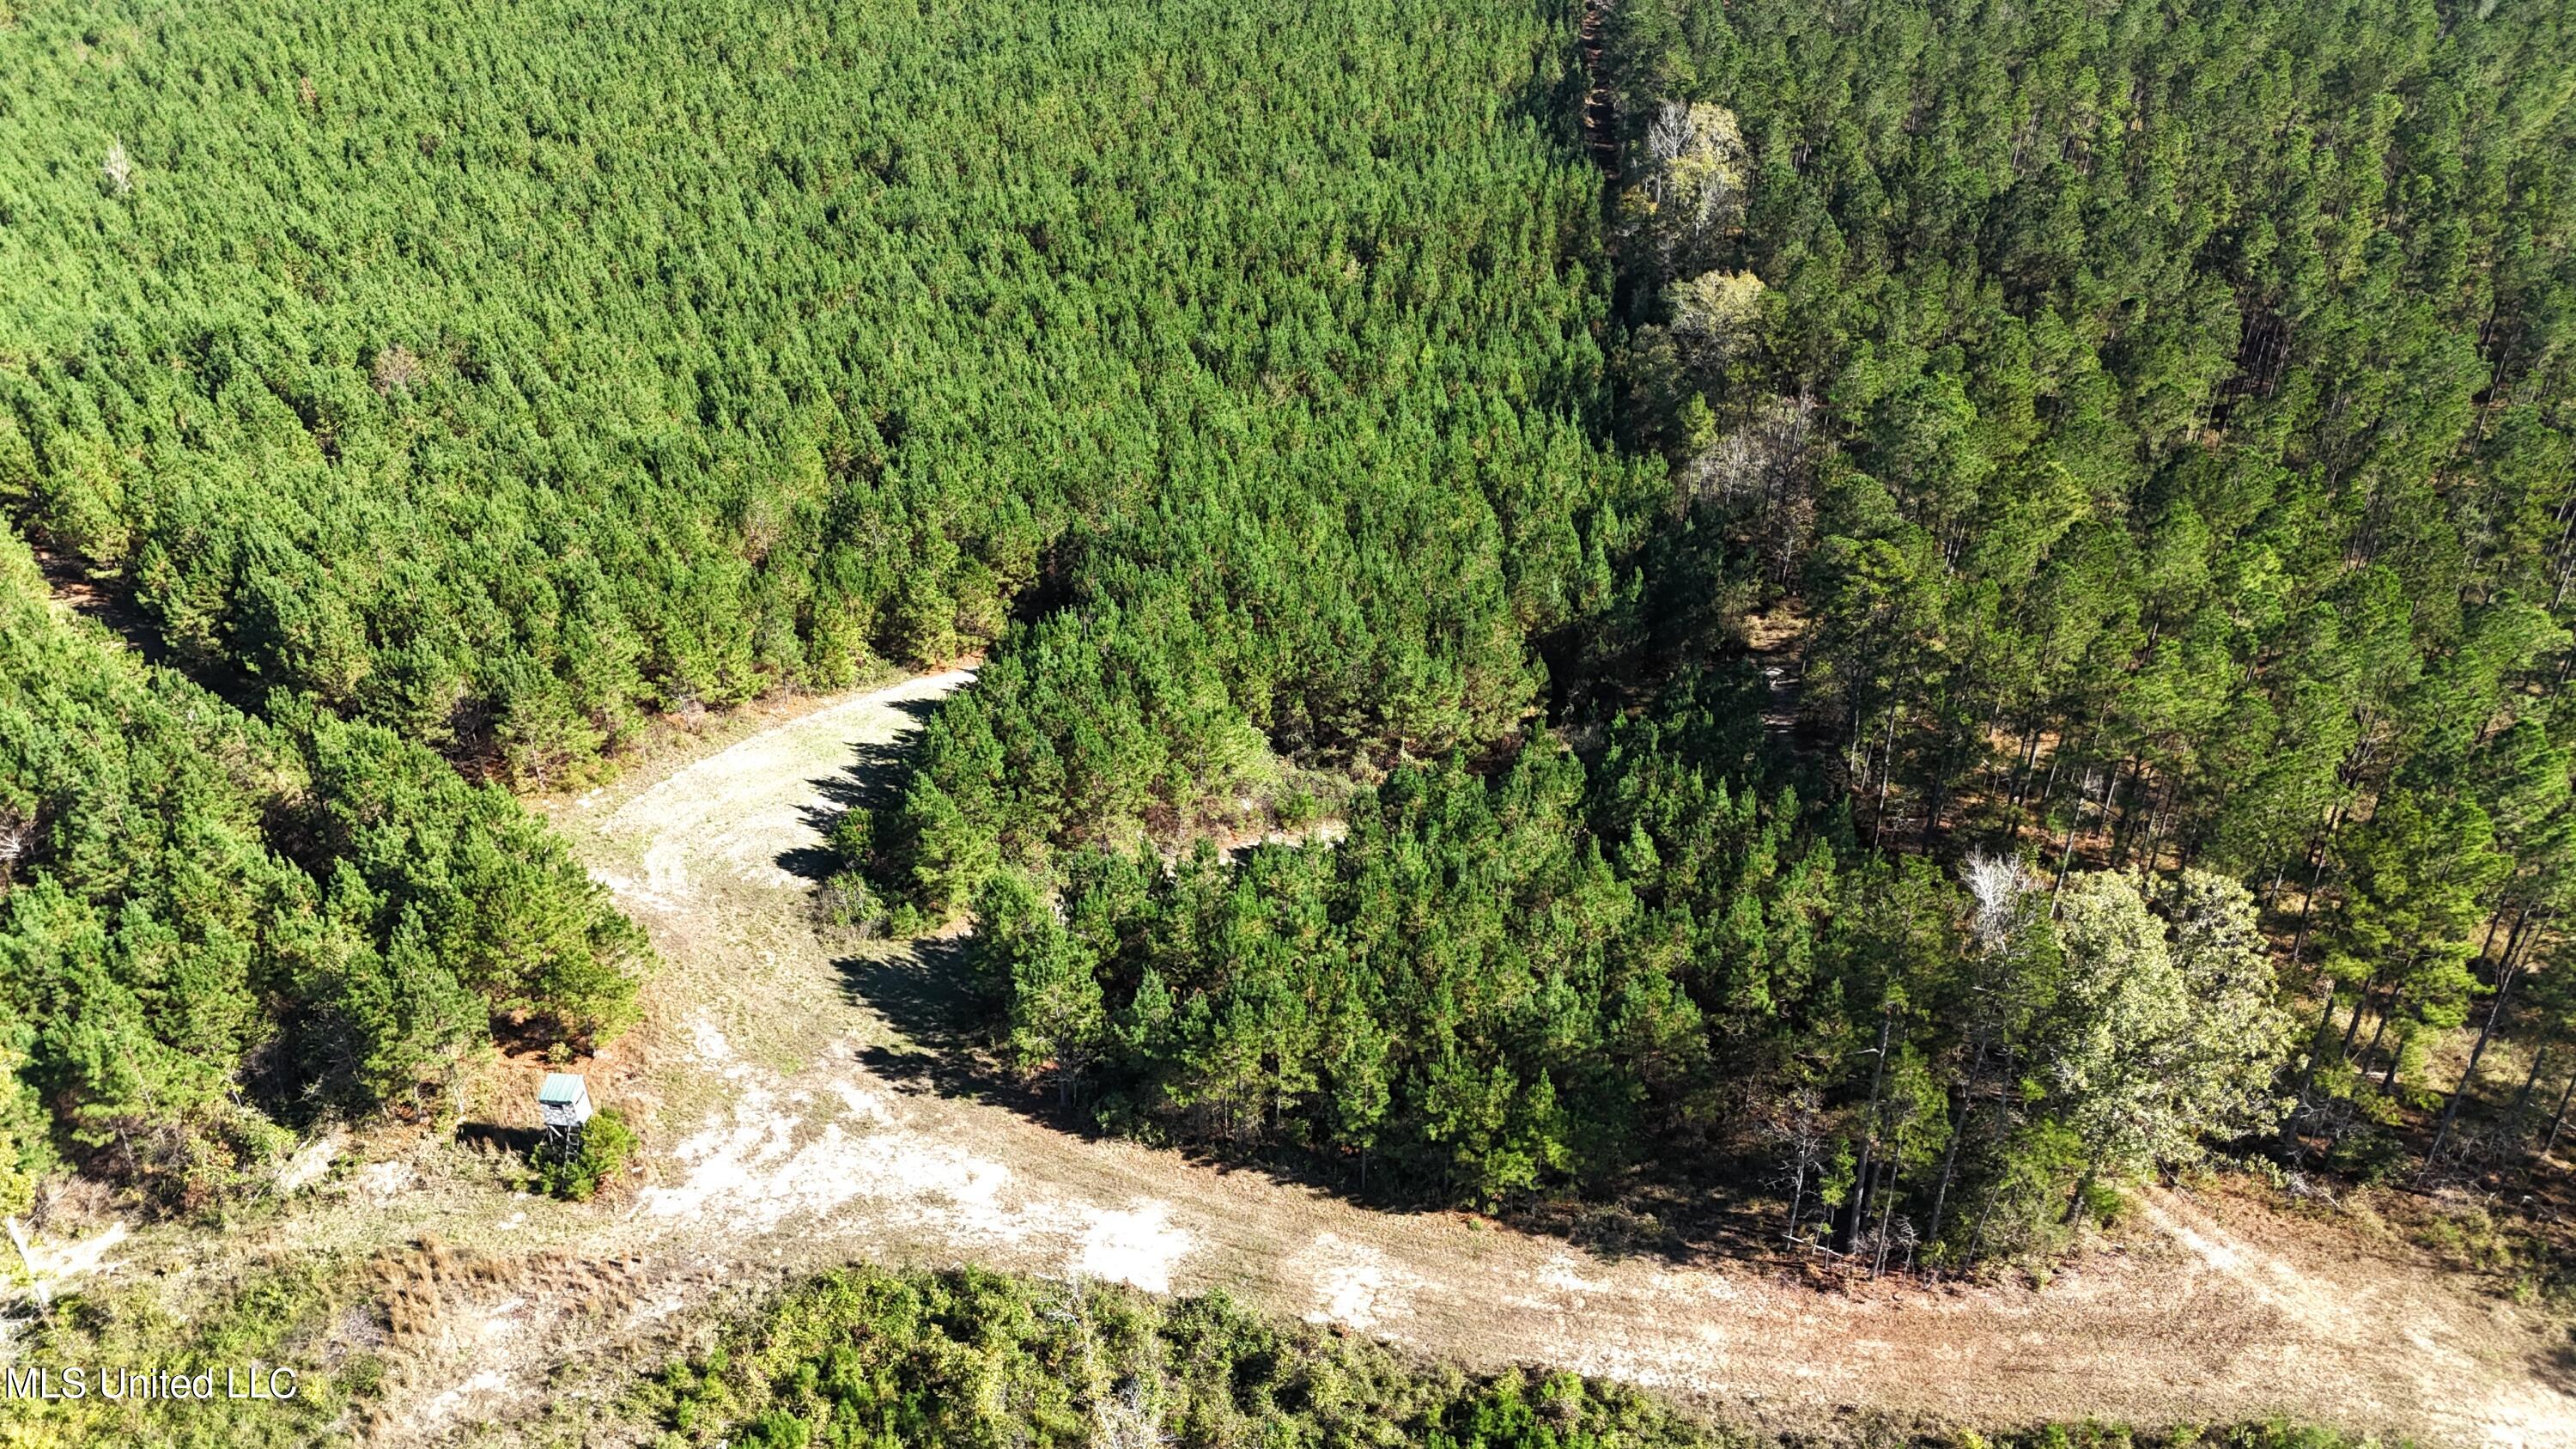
(922, 993)
(492, 1138)
(1676, 1211)
(872, 780)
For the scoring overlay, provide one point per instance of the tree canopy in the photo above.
(214, 927)
(2148, 427)
(1892, 640)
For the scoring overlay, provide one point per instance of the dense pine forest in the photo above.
(494, 374)
(435, 379)
(2109, 592)
(1980, 618)
(216, 928)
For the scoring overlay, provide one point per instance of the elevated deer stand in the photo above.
(564, 1103)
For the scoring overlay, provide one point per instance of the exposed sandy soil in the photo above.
(789, 1130)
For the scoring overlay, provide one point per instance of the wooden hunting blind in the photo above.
(564, 1104)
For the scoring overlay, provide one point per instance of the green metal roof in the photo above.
(561, 1088)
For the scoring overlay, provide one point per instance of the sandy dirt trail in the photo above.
(794, 1127)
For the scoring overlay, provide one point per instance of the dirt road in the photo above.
(794, 1124)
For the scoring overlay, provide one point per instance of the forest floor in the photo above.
(802, 1107)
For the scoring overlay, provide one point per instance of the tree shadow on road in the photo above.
(922, 993)
(1672, 1213)
(872, 780)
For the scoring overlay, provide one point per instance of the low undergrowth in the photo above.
(308, 1313)
(870, 1359)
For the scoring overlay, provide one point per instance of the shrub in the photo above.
(605, 1146)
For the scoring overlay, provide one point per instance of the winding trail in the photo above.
(1600, 116)
(789, 1079)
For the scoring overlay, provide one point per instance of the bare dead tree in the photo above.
(1798, 1126)
(118, 170)
(1997, 884)
(397, 369)
(17, 840)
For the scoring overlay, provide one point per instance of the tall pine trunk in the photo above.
(1950, 1155)
(1851, 1228)
(2559, 1120)
(2469, 1073)
(2530, 1079)
(2317, 1037)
